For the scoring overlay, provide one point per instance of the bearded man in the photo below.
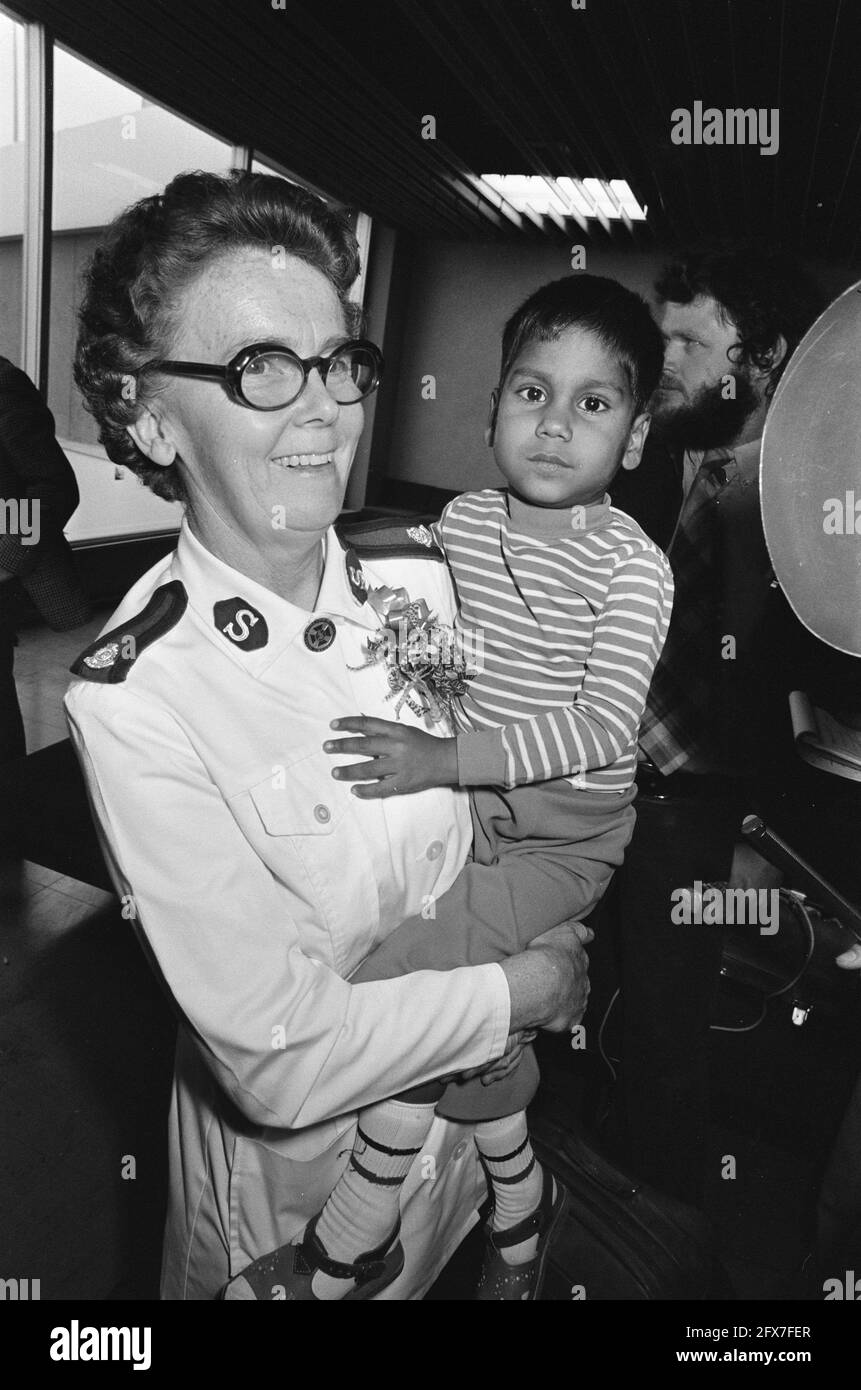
(715, 741)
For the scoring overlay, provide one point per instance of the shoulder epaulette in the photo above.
(110, 658)
(391, 537)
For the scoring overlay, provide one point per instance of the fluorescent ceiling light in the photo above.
(566, 196)
(626, 200)
(600, 195)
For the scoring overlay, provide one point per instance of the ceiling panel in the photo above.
(336, 91)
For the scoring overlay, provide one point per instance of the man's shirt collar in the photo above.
(740, 463)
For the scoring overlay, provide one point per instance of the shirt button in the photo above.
(459, 1150)
(322, 813)
(434, 849)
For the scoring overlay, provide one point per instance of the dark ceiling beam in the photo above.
(443, 165)
(466, 40)
(843, 187)
(666, 221)
(450, 51)
(196, 91)
(334, 93)
(781, 53)
(713, 210)
(308, 154)
(822, 101)
(387, 150)
(560, 40)
(122, 55)
(524, 60)
(738, 153)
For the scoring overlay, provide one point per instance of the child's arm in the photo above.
(591, 732)
(604, 718)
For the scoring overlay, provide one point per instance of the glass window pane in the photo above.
(111, 147)
(262, 166)
(12, 162)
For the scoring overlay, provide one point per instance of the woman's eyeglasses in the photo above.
(268, 376)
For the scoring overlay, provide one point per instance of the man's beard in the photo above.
(708, 420)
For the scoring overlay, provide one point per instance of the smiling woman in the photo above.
(259, 882)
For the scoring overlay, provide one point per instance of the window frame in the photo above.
(40, 45)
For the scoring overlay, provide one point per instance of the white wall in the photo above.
(459, 297)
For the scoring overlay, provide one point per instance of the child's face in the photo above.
(565, 422)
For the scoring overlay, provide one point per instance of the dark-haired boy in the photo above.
(573, 603)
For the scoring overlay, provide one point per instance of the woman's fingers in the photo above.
(509, 1059)
(503, 1068)
(507, 1063)
(565, 936)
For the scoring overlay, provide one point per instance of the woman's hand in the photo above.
(400, 759)
(504, 1065)
(549, 982)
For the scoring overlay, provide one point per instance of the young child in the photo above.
(573, 603)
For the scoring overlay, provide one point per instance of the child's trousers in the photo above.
(542, 854)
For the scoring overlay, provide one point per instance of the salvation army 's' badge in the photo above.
(319, 634)
(103, 658)
(420, 534)
(241, 624)
(356, 576)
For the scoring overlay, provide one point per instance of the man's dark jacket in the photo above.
(775, 653)
(34, 470)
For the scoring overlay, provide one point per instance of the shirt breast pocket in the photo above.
(312, 842)
(300, 798)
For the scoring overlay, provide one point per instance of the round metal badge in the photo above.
(319, 634)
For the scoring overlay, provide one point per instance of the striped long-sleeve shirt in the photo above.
(571, 608)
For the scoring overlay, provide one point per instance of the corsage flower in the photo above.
(428, 663)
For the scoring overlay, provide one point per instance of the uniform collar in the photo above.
(213, 588)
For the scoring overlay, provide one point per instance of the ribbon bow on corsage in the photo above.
(427, 663)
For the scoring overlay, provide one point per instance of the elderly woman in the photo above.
(221, 356)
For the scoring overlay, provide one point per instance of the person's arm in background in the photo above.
(30, 454)
(289, 1041)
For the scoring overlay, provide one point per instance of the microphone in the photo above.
(782, 856)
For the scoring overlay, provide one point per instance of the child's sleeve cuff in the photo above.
(481, 759)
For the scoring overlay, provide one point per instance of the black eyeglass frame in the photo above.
(232, 374)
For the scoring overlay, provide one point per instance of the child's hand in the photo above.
(400, 759)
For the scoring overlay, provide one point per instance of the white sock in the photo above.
(515, 1176)
(363, 1207)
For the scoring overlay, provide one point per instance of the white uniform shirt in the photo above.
(259, 883)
